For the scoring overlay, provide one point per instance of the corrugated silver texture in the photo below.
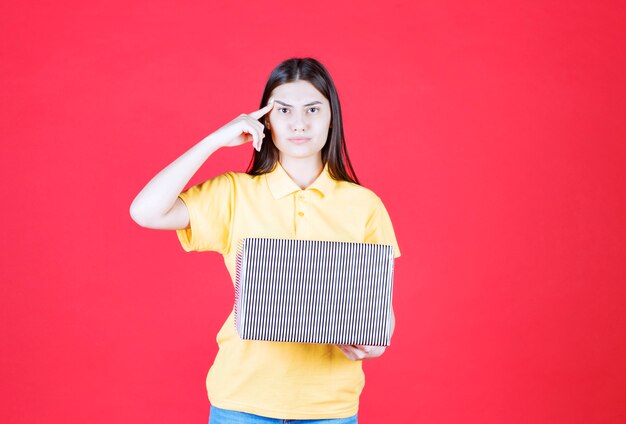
(314, 291)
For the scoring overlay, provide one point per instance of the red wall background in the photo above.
(494, 132)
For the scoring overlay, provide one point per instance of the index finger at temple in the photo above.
(259, 113)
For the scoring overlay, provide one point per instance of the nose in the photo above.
(299, 123)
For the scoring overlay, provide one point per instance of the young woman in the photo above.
(300, 185)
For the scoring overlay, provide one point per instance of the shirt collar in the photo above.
(281, 184)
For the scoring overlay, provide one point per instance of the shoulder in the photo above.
(235, 176)
(217, 186)
(357, 193)
(228, 179)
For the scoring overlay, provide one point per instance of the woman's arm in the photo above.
(358, 352)
(157, 205)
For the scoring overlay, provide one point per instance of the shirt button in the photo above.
(300, 213)
(301, 196)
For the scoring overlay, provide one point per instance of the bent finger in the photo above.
(251, 132)
(351, 353)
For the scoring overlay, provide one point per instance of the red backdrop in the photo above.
(493, 132)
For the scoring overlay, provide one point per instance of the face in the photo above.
(299, 120)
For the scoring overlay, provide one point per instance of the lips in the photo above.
(299, 140)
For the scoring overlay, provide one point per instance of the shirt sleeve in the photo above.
(210, 206)
(380, 230)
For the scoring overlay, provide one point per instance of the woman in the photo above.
(300, 185)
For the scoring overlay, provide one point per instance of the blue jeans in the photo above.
(224, 416)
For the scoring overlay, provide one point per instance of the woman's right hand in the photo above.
(244, 128)
(158, 205)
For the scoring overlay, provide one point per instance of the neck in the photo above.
(303, 171)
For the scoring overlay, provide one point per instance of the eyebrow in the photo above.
(308, 104)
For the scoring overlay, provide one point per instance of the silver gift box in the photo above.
(314, 291)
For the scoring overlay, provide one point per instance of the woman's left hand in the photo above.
(359, 352)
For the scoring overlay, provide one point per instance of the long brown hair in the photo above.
(334, 152)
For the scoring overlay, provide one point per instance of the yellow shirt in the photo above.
(277, 379)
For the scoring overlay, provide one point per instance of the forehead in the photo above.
(298, 92)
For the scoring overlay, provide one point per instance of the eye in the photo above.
(314, 109)
(283, 110)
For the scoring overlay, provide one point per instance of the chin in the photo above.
(299, 151)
